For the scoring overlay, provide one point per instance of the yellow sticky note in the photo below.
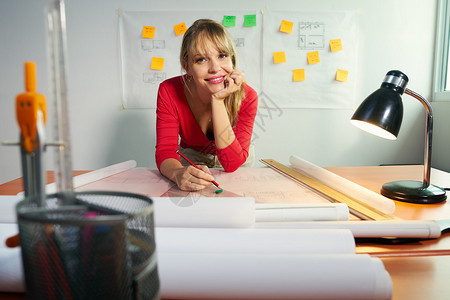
(148, 32)
(157, 63)
(335, 45)
(313, 57)
(279, 57)
(341, 75)
(286, 26)
(180, 28)
(299, 75)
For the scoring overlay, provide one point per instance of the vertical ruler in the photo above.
(356, 207)
(57, 55)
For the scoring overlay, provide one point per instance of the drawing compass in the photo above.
(31, 114)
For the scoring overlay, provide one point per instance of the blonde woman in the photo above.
(208, 113)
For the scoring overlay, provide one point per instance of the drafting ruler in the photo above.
(356, 207)
(57, 54)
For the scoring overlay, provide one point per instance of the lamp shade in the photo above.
(381, 113)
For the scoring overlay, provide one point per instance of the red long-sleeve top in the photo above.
(176, 123)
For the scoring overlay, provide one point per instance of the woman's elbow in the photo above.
(230, 169)
(232, 166)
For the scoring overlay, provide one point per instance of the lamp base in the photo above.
(413, 192)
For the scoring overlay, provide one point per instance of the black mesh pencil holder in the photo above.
(102, 247)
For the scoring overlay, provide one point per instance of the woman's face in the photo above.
(209, 69)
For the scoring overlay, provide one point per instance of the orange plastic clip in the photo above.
(27, 106)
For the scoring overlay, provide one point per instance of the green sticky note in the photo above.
(249, 20)
(229, 21)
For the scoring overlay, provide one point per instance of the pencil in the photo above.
(179, 153)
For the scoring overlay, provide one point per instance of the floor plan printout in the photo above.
(263, 184)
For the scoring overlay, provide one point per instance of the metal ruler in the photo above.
(356, 207)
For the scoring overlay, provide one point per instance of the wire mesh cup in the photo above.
(101, 248)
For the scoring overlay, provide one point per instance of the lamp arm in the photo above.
(428, 135)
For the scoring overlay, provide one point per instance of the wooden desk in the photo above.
(15, 186)
(418, 270)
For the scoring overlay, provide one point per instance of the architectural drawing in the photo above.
(311, 35)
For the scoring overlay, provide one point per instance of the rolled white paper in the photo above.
(268, 212)
(250, 276)
(95, 175)
(8, 208)
(343, 185)
(370, 229)
(259, 276)
(204, 212)
(253, 241)
(11, 271)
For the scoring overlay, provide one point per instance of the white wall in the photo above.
(393, 35)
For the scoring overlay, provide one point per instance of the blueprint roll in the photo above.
(11, 274)
(368, 229)
(259, 276)
(8, 208)
(343, 185)
(254, 241)
(282, 212)
(95, 175)
(229, 212)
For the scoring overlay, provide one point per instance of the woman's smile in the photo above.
(215, 79)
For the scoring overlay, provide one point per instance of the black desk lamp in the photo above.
(381, 114)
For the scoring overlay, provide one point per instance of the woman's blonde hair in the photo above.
(194, 42)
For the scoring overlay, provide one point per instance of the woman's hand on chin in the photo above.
(232, 83)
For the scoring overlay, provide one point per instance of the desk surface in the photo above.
(418, 270)
(414, 276)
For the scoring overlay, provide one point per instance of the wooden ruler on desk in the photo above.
(356, 207)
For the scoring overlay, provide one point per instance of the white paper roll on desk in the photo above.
(254, 241)
(343, 185)
(268, 212)
(227, 212)
(259, 276)
(11, 271)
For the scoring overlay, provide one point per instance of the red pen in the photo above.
(179, 153)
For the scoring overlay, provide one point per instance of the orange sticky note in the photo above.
(180, 28)
(336, 45)
(286, 26)
(313, 57)
(299, 75)
(341, 75)
(279, 57)
(148, 32)
(157, 63)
